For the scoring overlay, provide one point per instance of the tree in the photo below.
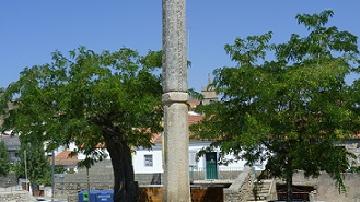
(37, 164)
(90, 98)
(4, 160)
(292, 109)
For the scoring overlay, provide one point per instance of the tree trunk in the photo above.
(125, 188)
(88, 179)
(289, 187)
(289, 175)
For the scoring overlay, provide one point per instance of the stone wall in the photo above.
(101, 177)
(69, 190)
(155, 194)
(326, 189)
(8, 181)
(240, 189)
(16, 196)
(68, 186)
(223, 174)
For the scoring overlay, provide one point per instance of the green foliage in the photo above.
(37, 163)
(60, 170)
(193, 94)
(89, 98)
(4, 160)
(248, 51)
(290, 110)
(72, 99)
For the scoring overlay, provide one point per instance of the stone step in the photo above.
(262, 182)
(262, 185)
(262, 192)
(258, 199)
(259, 188)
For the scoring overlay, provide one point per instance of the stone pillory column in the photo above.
(176, 141)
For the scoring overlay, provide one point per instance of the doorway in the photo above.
(211, 166)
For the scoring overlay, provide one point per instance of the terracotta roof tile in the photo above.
(192, 119)
(156, 138)
(66, 158)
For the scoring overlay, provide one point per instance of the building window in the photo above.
(192, 159)
(148, 160)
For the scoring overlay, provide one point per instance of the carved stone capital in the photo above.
(175, 97)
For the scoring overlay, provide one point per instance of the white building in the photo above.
(147, 161)
(150, 161)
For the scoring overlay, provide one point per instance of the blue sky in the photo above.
(31, 30)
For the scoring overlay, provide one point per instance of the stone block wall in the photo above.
(327, 190)
(240, 189)
(8, 181)
(155, 194)
(16, 196)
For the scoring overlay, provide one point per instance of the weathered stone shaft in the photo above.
(176, 174)
(174, 46)
(176, 142)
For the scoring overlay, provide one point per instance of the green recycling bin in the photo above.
(84, 196)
